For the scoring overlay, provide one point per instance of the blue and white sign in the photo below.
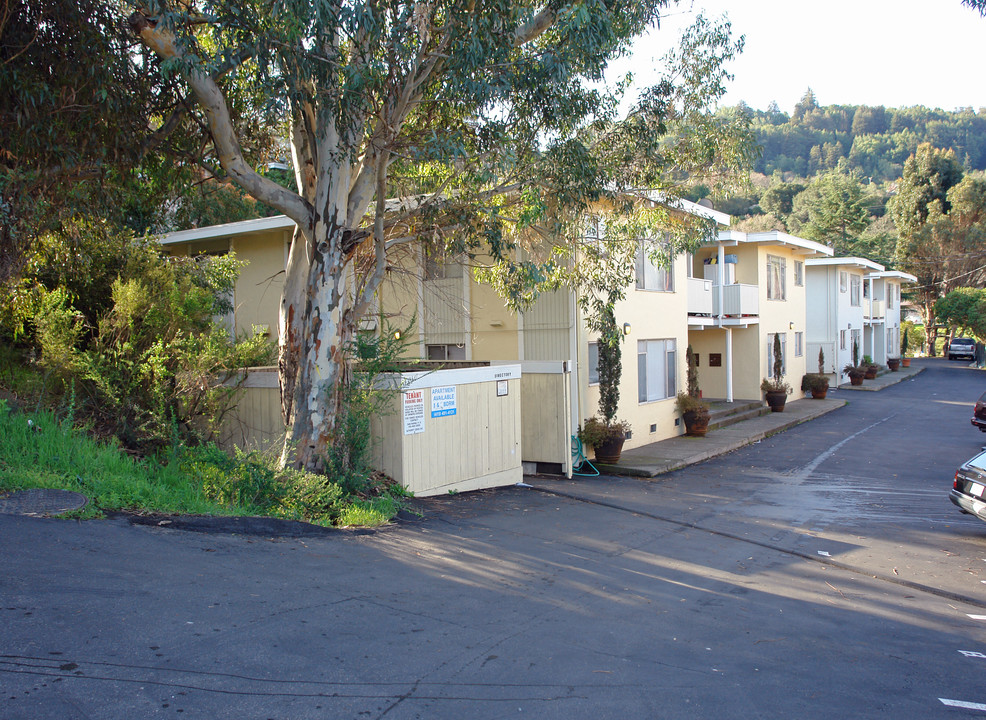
(443, 401)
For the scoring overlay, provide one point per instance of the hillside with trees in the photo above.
(902, 186)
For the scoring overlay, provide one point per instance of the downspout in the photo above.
(721, 277)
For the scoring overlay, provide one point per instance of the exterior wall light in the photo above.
(626, 328)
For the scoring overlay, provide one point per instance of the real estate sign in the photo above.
(443, 401)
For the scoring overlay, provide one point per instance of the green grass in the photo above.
(39, 450)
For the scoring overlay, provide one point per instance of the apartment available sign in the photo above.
(443, 401)
(414, 412)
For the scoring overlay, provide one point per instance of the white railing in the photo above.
(699, 296)
(737, 300)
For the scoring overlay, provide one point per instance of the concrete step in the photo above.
(733, 418)
(720, 408)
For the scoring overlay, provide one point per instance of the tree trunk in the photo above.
(315, 335)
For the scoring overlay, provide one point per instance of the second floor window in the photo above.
(799, 273)
(892, 295)
(843, 281)
(776, 278)
(855, 286)
(651, 275)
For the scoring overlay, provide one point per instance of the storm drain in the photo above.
(41, 502)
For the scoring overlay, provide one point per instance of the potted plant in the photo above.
(605, 438)
(774, 388)
(817, 384)
(870, 369)
(904, 360)
(607, 435)
(694, 411)
(854, 370)
(893, 364)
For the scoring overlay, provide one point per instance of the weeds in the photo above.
(44, 451)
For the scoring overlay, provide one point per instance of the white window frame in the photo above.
(799, 273)
(855, 290)
(649, 276)
(843, 281)
(593, 363)
(770, 354)
(661, 358)
(799, 344)
(842, 339)
(892, 290)
(776, 277)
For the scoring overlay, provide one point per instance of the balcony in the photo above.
(873, 311)
(741, 303)
(699, 296)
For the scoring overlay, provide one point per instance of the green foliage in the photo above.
(348, 460)
(814, 382)
(40, 450)
(830, 211)
(965, 310)
(776, 381)
(133, 334)
(610, 364)
(595, 432)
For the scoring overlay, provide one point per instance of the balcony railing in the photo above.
(875, 309)
(738, 300)
(699, 296)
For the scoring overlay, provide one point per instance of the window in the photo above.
(446, 352)
(770, 354)
(442, 268)
(656, 368)
(855, 290)
(799, 273)
(651, 276)
(776, 278)
(866, 289)
(799, 344)
(842, 339)
(843, 281)
(593, 363)
(892, 295)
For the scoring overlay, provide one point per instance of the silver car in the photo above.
(969, 487)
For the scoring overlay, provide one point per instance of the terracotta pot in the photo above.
(776, 400)
(893, 364)
(855, 379)
(609, 451)
(906, 362)
(696, 422)
(820, 394)
(870, 373)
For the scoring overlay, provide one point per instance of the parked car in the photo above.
(979, 413)
(962, 348)
(969, 487)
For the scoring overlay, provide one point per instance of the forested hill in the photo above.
(874, 140)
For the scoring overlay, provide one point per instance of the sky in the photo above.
(895, 53)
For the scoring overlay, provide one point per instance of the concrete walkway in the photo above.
(677, 452)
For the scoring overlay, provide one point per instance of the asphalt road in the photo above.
(821, 573)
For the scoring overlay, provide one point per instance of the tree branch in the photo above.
(163, 42)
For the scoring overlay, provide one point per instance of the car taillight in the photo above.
(955, 482)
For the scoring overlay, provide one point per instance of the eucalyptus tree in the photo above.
(458, 125)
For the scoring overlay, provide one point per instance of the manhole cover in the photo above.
(40, 502)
